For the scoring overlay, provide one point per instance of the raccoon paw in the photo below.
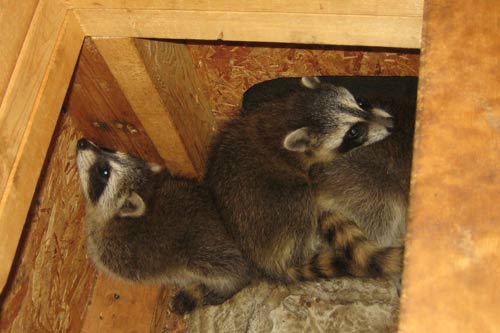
(182, 303)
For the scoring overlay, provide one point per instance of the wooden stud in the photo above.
(452, 255)
(15, 19)
(361, 30)
(37, 121)
(340, 7)
(159, 81)
(26, 81)
(101, 110)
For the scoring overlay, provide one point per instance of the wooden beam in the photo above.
(453, 260)
(101, 111)
(339, 7)
(28, 117)
(26, 81)
(160, 82)
(361, 30)
(15, 19)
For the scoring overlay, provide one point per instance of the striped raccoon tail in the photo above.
(350, 254)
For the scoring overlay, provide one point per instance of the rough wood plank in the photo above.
(159, 81)
(51, 282)
(341, 7)
(15, 19)
(453, 261)
(363, 30)
(39, 126)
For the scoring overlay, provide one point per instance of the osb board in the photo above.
(52, 280)
(227, 70)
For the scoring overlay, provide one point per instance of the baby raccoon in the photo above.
(259, 174)
(369, 185)
(142, 224)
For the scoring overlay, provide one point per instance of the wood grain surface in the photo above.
(453, 262)
(15, 19)
(27, 128)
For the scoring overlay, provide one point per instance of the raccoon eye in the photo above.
(363, 103)
(104, 171)
(354, 131)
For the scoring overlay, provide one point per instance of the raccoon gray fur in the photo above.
(142, 224)
(369, 185)
(259, 174)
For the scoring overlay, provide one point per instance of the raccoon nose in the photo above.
(388, 123)
(82, 144)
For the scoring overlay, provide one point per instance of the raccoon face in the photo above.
(111, 181)
(335, 122)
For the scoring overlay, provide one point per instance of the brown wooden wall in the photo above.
(53, 281)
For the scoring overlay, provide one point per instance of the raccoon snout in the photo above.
(82, 144)
(388, 123)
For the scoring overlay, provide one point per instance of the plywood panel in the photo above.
(27, 128)
(390, 31)
(52, 280)
(453, 260)
(15, 19)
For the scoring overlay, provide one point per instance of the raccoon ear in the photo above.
(133, 206)
(298, 140)
(155, 167)
(310, 82)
